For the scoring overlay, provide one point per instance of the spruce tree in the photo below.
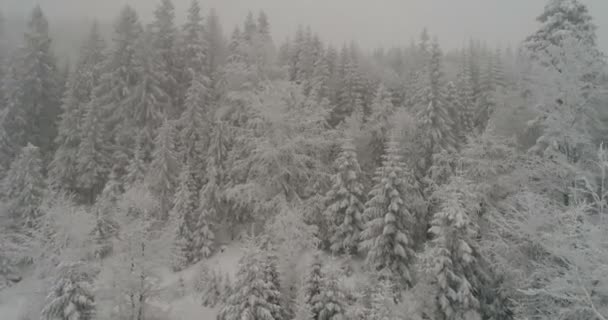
(195, 128)
(118, 81)
(149, 102)
(456, 261)
(70, 297)
(345, 202)
(216, 47)
(193, 48)
(194, 238)
(378, 123)
(330, 302)
(254, 296)
(163, 45)
(34, 101)
(93, 161)
(562, 19)
(389, 221)
(434, 114)
(137, 168)
(310, 289)
(24, 186)
(78, 94)
(164, 168)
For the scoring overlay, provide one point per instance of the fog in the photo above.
(371, 23)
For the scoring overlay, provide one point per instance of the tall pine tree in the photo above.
(389, 221)
(345, 202)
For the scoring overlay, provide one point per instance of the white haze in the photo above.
(371, 23)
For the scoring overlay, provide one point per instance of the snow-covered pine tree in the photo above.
(389, 221)
(310, 289)
(213, 289)
(216, 48)
(195, 127)
(118, 81)
(330, 302)
(150, 102)
(81, 83)
(34, 102)
(106, 226)
(164, 169)
(166, 62)
(70, 297)
(433, 112)
(345, 202)
(93, 161)
(454, 253)
(254, 297)
(562, 19)
(350, 99)
(137, 168)
(194, 238)
(381, 302)
(466, 110)
(24, 186)
(379, 122)
(193, 49)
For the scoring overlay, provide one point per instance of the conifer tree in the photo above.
(106, 226)
(137, 168)
(254, 297)
(149, 102)
(118, 81)
(434, 113)
(78, 94)
(345, 202)
(34, 99)
(216, 50)
(70, 297)
(330, 302)
(386, 236)
(93, 161)
(194, 238)
(164, 39)
(456, 268)
(310, 290)
(23, 187)
(195, 128)
(164, 168)
(194, 48)
(562, 19)
(350, 100)
(378, 122)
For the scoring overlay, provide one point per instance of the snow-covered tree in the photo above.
(194, 238)
(195, 127)
(389, 221)
(345, 202)
(560, 20)
(71, 296)
(433, 113)
(119, 77)
(93, 162)
(164, 169)
(454, 253)
(163, 45)
(329, 303)
(24, 186)
(34, 101)
(379, 122)
(255, 296)
(81, 83)
(137, 168)
(310, 289)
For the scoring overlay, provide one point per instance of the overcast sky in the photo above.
(370, 22)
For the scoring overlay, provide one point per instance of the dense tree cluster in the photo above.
(413, 167)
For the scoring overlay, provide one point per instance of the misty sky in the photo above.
(370, 22)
